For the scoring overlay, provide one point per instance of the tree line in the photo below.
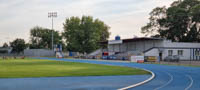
(180, 22)
(79, 35)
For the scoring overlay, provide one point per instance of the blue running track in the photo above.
(70, 83)
(167, 77)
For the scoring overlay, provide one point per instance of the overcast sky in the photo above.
(125, 17)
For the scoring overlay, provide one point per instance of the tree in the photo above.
(153, 25)
(18, 45)
(42, 38)
(5, 45)
(84, 34)
(179, 22)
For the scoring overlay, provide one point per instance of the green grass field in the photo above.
(20, 68)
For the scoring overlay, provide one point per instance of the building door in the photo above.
(160, 56)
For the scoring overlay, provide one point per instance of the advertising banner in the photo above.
(137, 58)
(152, 59)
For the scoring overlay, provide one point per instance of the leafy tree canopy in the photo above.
(18, 45)
(180, 22)
(41, 38)
(5, 45)
(84, 34)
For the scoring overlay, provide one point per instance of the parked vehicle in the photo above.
(174, 58)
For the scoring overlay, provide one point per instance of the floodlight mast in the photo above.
(52, 15)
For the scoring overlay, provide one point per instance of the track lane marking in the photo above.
(187, 88)
(171, 79)
(141, 83)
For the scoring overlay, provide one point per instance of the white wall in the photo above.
(181, 44)
(185, 56)
(155, 52)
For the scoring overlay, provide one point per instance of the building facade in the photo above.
(156, 47)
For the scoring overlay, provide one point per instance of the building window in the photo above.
(180, 52)
(170, 52)
(197, 53)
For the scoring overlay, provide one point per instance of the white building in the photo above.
(153, 47)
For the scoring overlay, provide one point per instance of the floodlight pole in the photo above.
(52, 34)
(52, 15)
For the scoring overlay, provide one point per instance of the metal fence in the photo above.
(39, 53)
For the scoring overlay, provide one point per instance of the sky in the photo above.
(125, 17)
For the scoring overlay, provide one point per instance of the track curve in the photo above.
(167, 77)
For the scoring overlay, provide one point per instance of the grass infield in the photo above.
(20, 68)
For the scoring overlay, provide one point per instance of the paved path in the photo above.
(167, 77)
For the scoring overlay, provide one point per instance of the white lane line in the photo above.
(171, 79)
(141, 83)
(190, 83)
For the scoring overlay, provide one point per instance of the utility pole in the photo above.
(52, 15)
